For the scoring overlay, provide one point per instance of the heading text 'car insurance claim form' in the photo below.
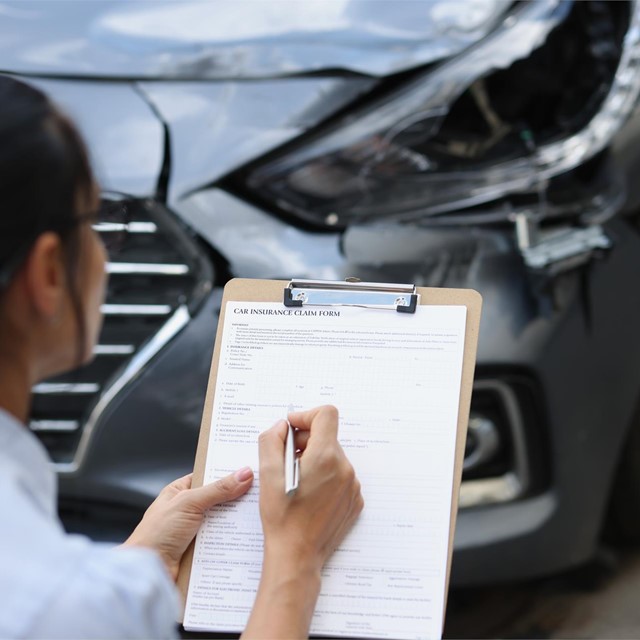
(402, 385)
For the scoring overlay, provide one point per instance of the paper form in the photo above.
(395, 379)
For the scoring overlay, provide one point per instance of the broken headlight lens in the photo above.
(542, 94)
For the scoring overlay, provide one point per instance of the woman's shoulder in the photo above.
(28, 481)
(32, 542)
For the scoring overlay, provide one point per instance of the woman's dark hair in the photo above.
(44, 173)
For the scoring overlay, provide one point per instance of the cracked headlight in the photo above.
(542, 94)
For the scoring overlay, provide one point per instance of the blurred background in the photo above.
(476, 143)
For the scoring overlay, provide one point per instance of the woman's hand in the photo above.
(173, 519)
(310, 523)
(301, 530)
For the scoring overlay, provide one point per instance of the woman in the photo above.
(52, 284)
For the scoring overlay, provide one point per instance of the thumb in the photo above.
(228, 488)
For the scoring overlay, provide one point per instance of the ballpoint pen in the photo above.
(291, 462)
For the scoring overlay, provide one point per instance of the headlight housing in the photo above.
(462, 134)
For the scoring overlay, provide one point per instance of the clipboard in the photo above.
(397, 298)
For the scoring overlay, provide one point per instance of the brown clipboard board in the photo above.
(246, 290)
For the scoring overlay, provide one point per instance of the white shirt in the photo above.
(55, 585)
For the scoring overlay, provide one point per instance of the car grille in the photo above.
(156, 281)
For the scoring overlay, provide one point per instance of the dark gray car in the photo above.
(460, 144)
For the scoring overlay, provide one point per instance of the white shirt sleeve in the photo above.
(111, 593)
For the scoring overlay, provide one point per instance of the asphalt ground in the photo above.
(601, 600)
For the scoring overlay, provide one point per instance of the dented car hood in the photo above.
(237, 39)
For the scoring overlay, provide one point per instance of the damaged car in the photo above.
(476, 144)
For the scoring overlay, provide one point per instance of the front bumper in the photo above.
(585, 355)
(576, 343)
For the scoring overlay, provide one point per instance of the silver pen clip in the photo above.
(291, 462)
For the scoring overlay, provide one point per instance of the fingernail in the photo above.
(243, 474)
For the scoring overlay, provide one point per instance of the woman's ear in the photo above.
(44, 276)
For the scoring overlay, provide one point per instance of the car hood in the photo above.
(237, 39)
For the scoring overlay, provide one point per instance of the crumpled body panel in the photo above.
(235, 39)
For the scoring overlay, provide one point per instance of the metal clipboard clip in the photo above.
(398, 297)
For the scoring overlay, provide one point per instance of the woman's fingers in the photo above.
(228, 488)
(302, 438)
(324, 420)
